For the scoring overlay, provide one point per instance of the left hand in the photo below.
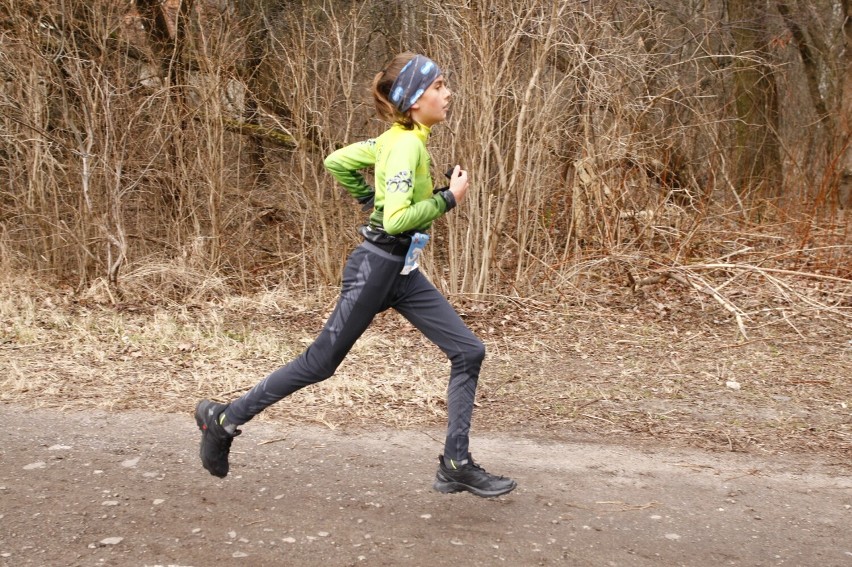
(459, 183)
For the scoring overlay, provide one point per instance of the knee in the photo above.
(479, 351)
(473, 354)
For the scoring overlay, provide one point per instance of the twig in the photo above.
(235, 391)
(651, 280)
(711, 291)
(439, 441)
(753, 472)
(742, 344)
(693, 466)
(588, 403)
(598, 418)
(625, 507)
(772, 270)
(786, 320)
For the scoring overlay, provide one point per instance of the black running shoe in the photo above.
(215, 441)
(471, 477)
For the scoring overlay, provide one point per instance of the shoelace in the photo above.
(479, 468)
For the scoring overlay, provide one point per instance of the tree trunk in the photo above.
(845, 194)
(757, 155)
(810, 64)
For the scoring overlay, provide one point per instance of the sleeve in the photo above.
(345, 165)
(402, 211)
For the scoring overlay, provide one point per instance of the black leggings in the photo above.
(371, 284)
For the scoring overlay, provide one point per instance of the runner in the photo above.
(382, 273)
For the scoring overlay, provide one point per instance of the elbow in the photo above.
(330, 163)
(391, 227)
(394, 223)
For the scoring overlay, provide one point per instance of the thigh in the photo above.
(367, 283)
(428, 310)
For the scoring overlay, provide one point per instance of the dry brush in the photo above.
(174, 150)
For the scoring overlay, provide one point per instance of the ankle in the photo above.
(222, 420)
(455, 463)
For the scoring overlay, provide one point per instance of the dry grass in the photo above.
(662, 364)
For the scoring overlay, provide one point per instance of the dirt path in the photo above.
(95, 488)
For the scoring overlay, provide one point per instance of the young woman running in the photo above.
(381, 273)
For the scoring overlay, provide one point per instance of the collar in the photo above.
(419, 130)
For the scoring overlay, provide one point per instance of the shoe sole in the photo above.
(454, 487)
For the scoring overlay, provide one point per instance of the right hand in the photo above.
(368, 202)
(459, 183)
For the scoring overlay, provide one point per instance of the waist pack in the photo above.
(380, 237)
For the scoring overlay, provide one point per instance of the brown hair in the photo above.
(381, 87)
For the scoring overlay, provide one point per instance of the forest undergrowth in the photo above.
(727, 355)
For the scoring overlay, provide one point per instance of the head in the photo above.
(399, 89)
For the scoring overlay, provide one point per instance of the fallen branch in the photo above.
(274, 135)
(704, 287)
(625, 507)
(268, 441)
(687, 276)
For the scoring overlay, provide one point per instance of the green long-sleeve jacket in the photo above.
(403, 194)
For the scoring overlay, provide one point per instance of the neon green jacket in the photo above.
(403, 192)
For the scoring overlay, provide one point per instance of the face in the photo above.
(431, 108)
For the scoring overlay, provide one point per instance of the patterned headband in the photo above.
(413, 80)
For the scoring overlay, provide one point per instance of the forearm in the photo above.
(345, 165)
(402, 216)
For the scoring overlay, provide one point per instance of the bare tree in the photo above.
(757, 155)
(846, 106)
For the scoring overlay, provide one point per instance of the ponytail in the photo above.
(381, 87)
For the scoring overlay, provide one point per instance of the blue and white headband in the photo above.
(412, 81)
